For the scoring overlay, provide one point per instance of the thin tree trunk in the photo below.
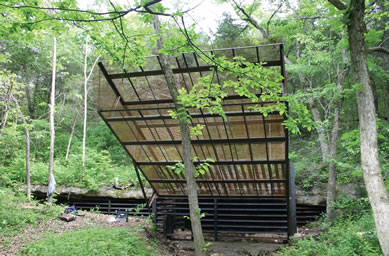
(52, 131)
(28, 170)
(331, 186)
(187, 148)
(6, 111)
(324, 148)
(86, 79)
(71, 137)
(378, 195)
(85, 107)
(385, 90)
(27, 133)
(29, 101)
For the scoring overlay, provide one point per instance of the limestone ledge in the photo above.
(105, 191)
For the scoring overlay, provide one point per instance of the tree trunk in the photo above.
(86, 79)
(28, 172)
(324, 148)
(50, 192)
(85, 108)
(378, 195)
(27, 133)
(29, 101)
(71, 137)
(6, 111)
(187, 148)
(331, 186)
(386, 90)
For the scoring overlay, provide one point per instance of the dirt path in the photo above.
(13, 245)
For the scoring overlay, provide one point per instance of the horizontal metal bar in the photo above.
(246, 221)
(255, 210)
(228, 49)
(275, 216)
(249, 232)
(270, 63)
(224, 204)
(165, 101)
(220, 162)
(232, 97)
(227, 198)
(205, 141)
(221, 181)
(193, 115)
(247, 227)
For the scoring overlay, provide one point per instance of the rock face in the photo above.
(318, 195)
(105, 191)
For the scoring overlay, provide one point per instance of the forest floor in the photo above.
(15, 243)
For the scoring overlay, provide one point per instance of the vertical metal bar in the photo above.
(201, 147)
(284, 85)
(159, 146)
(128, 153)
(267, 155)
(136, 138)
(292, 222)
(133, 87)
(215, 218)
(232, 157)
(141, 185)
(154, 209)
(109, 206)
(250, 149)
(110, 82)
(215, 152)
(287, 169)
(286, 133)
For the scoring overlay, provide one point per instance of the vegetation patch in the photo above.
(353, 235)
(16, 212)
(94, 241)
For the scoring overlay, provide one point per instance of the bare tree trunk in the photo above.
(378, 195)
(51, 187)
(27, 133)
(6, 111)
(331, 186)
(386, 102)
(86, 79)
(71, 137)
(85, 107)
(28, 170)
(323, 140)
(29, 101)
(187, 148)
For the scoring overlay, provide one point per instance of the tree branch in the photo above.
(379, 49)
(271, 17)
(137, 9)
(66, 9)
(250, 20)
(338, 4)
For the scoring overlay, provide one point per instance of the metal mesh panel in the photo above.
(250, 151)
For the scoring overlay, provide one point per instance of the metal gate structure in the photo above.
(247, 187)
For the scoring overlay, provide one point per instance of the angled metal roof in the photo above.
(249, 150)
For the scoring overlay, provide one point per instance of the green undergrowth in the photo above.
(94, 241)
(305, 156)
(354, 234)
(16, 212)
(105, 158)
